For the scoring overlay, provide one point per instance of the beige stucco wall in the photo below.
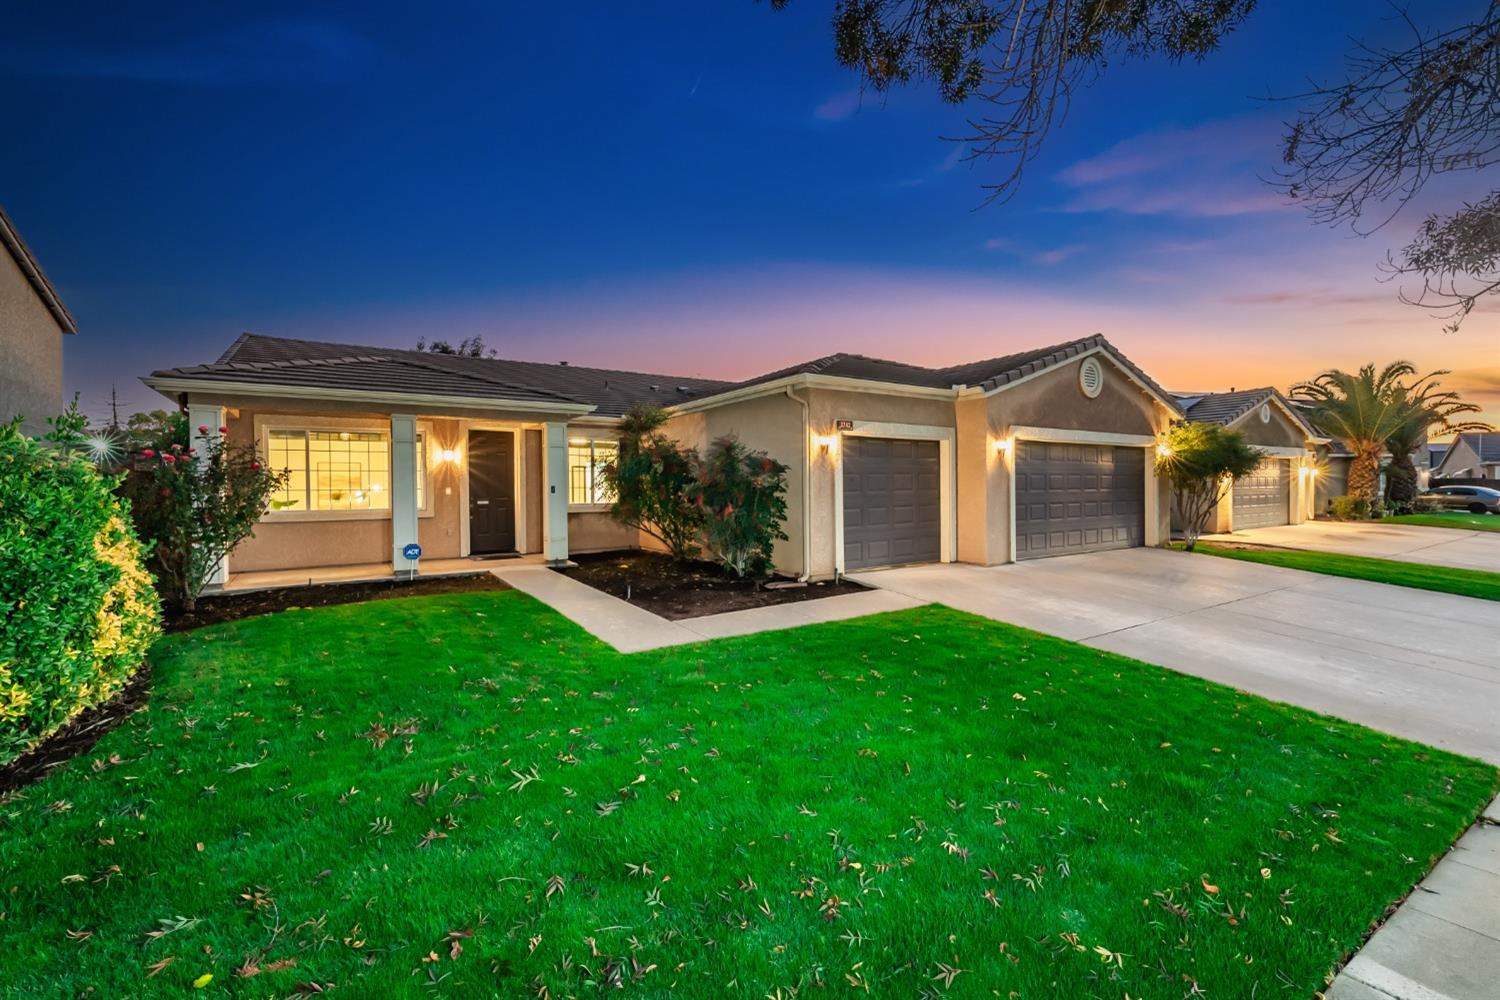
(31, 345)
(772, 424)
(1333, 481)
(1281, 432)
(1051, 400)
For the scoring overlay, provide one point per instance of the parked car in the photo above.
(1475, 499)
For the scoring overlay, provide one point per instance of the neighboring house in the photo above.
(1435, 455)
(1472, 455)
(33, 321)
(1033, 454)
(1284, 489)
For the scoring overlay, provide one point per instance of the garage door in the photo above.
(1078, 498)
(891, 502)
(1263, 498)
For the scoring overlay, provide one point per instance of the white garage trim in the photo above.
(1150, 509)
(1065, 436)
(1284, 452)
(947, 480)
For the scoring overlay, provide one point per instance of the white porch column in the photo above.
(555, 496)
(403, 489)
(211, 418)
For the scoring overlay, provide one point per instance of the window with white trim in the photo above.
(586, 462)
(337, 470)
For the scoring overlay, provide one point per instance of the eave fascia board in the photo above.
(806, 380)
(170, 385)
(1170, 404)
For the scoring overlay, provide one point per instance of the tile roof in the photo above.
(10, 239)
(1227, 407)
(254, 359)
(259, 360)
(991, 373)
(1486, 444)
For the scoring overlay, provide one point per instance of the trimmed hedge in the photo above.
(79, 609)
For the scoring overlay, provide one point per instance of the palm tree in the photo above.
(1430, 409)
(1364, 410)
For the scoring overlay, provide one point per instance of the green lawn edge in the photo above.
(1457, 520)
(201, 675)
(1419, 576)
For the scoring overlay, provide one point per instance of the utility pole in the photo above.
(114, 409)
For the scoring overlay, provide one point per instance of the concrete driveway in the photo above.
(1404, 542)
(1418, 664)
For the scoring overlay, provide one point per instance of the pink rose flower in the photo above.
(223, 430)
(148, 453)
(202, 428)
(169, 458)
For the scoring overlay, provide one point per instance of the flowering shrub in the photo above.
(650, 477)
(195, 508)
(79, 610)
(742, 494)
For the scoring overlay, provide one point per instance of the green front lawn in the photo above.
(1448, 519)
(468, 794)
(1444, 579)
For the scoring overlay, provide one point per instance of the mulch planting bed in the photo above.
(78, 736)
(688, 590)
(215, 608)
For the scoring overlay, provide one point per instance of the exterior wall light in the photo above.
(450, 455)
(1164, 450)
(1004, 445)
(826, 442)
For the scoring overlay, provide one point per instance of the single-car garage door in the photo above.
(892, 502)
(1078, 498)
(1263, 498)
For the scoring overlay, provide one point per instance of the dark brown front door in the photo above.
(492, 491)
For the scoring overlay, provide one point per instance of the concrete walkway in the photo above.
(1444, 941)
(632, 629)
(1415, 663)
(1456, 547)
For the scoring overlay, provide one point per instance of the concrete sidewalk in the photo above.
(1456, 547)
(632, 629)
(1444, 941)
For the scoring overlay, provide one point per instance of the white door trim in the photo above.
(947, 480)
(1062, 435)
(518, 498)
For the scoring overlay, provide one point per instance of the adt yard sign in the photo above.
(412, 551)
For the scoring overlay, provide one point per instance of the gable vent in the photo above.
(1091, 377)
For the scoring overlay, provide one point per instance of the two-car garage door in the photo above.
(1074, 498)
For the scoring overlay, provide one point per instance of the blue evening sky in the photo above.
(694, 188)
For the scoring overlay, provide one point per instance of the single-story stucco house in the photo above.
(33, 321)
(1472, 455)
(1292, 482)
(1033, 454)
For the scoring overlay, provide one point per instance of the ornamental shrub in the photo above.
(195, 508)
(742, 494)
(1349, 508)
(79, 609)
(650, 477)
(1201, 461)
